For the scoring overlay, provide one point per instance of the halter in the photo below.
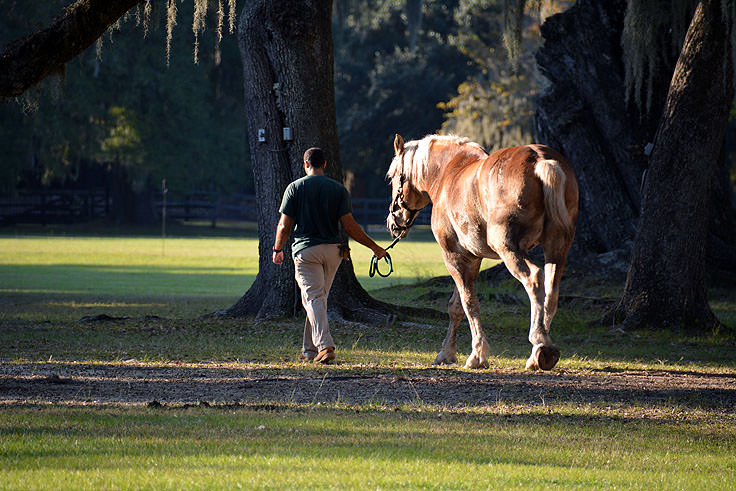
(400, 203)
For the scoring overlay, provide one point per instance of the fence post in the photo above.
(164, 190)
(43, 208)
(215, 205)
(107, 201)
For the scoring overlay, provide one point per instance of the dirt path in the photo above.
(130, 383)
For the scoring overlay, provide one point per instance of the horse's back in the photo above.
(528, 155)
(526, 186)
(518, 165)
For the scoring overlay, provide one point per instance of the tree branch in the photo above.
(26, 61)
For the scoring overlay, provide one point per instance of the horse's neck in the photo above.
(430, 176)
(438, 163)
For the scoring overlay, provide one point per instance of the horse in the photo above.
(497, 206)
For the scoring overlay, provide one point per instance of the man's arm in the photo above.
(283, 230)
(356, 232)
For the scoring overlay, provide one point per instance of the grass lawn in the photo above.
(679, 437)
(331, 447)
(190, 266)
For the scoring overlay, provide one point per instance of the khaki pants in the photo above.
(315, 268)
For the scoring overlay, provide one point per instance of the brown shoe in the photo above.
(327, 355)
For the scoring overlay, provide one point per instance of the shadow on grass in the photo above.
(52, 311)
(76, 279)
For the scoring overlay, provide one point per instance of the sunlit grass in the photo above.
(61, 279)
(177, 266)
(127, 266)
(359, 448)
(106, 305)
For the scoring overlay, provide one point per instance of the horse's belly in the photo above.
(473, 238)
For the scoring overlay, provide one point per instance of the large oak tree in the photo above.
(679, 216)
(287, 54)
(666, 285)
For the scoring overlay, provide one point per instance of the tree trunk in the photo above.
(287, 54)
(666, 284)
(27, 61)
(583, 115)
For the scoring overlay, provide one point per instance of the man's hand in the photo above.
(356, 232)
(345, 252)
(283, 229)
(379, 252)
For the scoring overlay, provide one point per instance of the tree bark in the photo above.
(666, 285)
(287, 54)
(583, 115)
(27, 61)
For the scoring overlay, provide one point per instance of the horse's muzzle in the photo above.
(399, 232)
(395, 229)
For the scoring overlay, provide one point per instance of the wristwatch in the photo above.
(277, 250)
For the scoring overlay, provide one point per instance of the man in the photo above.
(316, 204)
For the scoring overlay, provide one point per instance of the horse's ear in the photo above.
(398, 144)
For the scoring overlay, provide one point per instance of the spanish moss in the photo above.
(170, 24)
(512, 19)
(220, 19)
(231, 15)
(146, 17)
(198, 24)
(651, 40)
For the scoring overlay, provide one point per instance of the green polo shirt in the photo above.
(316, 203)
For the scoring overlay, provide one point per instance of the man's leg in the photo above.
(307, 272)
(311, 267)
(309, 350)
(331, 262)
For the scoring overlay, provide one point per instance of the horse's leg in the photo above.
(555, 253)
(448, 353)
(544, 353)
(464, 272)
(553, 268)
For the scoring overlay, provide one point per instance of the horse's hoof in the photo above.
(474, 363)
(543, 357)
(443, 359)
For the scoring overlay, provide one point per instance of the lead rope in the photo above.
(374, 262)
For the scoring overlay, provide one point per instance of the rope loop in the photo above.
(374, 266)
(374, 262)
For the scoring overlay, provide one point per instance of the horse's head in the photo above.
(406, 199)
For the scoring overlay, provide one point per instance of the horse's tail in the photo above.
(553, 178)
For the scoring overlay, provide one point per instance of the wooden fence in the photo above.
(46, 207)
(54, 207)
(244, 207)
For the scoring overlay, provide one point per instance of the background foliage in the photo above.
(122, 115)
(122, 112)
(455, 78)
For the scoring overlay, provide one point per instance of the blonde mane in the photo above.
(413, 162)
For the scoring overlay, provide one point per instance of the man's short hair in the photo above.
(315, 156)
